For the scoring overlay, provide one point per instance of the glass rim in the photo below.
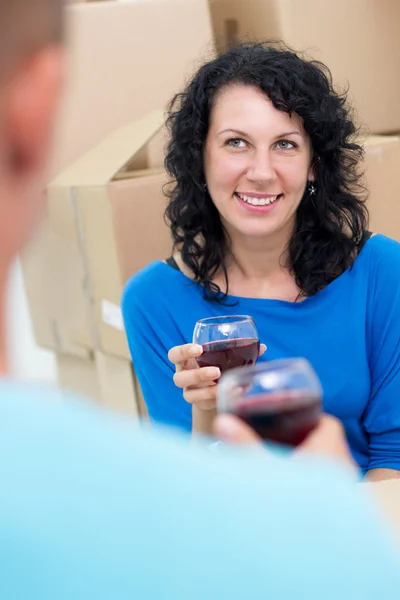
(219, 320)
(241, 375)
(265, 366)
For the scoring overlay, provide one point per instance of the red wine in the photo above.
(230, 353)
(283, 417)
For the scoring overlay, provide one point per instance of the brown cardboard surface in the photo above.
(358, 40)
(124, 60)
(106, 379)
(116, 75)
(133, 205)
(108, 229)
(382, 166)
(142, 408)
(101, 162)
(117, 384)
(78, 376)
(54, 279)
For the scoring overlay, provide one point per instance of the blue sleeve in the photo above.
(150, 333)
(382, 416)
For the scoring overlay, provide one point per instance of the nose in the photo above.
(261, 169)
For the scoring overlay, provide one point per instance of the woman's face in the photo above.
(257, 161)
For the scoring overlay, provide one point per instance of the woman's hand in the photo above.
(199, 385)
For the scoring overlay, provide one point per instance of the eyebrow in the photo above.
(244, 134)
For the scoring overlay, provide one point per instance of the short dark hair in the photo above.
(330, 225)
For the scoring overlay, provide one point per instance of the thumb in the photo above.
(232, 430)
(263, 348)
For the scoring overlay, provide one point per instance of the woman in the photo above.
(268, 219)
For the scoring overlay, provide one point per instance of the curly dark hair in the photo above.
(330, 225)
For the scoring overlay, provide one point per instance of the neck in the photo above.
(259, 257)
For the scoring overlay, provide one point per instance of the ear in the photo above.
(313, 168)
(30, 105)
(311, 173)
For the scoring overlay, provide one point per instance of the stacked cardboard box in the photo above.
(382, 165)
(104, 222)
(124, 61)
(105, 203)
(359, 41)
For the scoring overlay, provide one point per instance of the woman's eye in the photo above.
(286, 145)
(236, 143)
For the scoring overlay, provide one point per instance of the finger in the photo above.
(201, 396)
(263, 348)
(328, 439)
(329, 431)
(196, 377)
(180, 354)
(232, 430)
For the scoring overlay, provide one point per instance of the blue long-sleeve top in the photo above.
(349, 331)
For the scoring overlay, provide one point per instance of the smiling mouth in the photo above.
(258, 201)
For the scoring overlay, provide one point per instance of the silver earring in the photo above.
(311, 188)
(205, 186)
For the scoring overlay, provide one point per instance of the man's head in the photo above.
(31, 73)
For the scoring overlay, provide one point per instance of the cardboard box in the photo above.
(116, 74)
(358, 40)
(105, 221)
(105, 379)
(382, 167)
(124, 60)
(54, 280)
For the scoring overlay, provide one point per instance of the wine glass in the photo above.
(280, 399)
(228, 341)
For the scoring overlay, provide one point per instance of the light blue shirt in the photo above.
(93, 508)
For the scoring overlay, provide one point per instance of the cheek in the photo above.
(294, 175)
(223, 171)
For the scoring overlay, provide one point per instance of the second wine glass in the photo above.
(281, 399)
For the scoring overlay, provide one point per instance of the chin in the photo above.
(262, 226)
(258, 232)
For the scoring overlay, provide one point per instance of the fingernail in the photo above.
(196, 350)
(213, 372)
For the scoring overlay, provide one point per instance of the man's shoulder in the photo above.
(97, 504)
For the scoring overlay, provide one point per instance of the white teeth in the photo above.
(257, 201)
